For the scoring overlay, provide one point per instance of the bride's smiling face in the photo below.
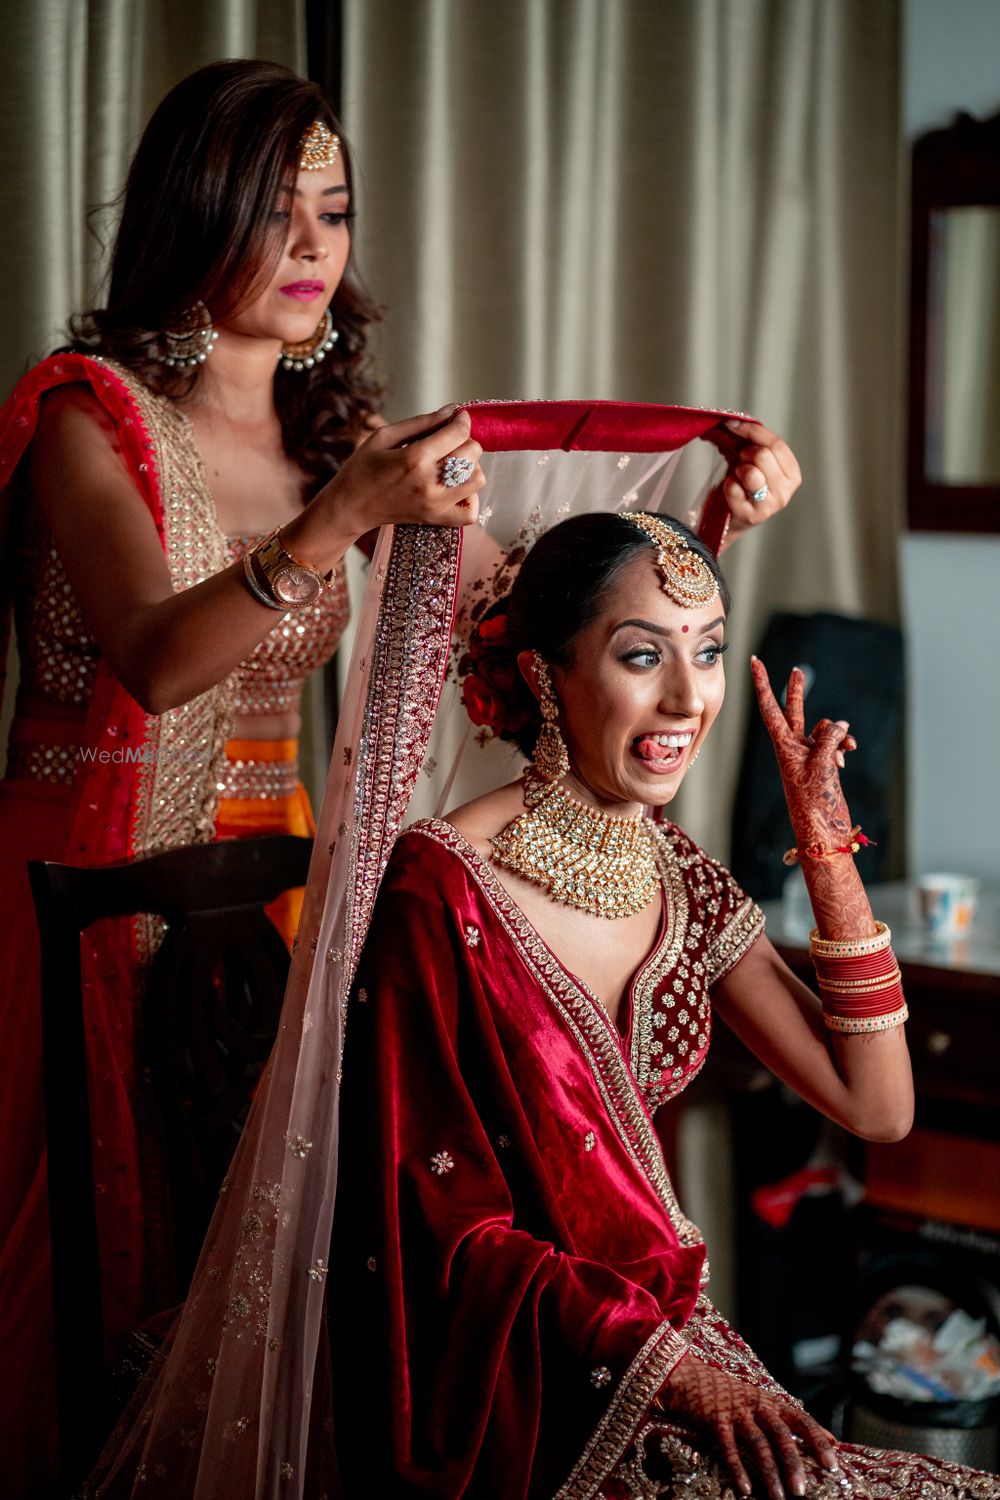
(642, 689)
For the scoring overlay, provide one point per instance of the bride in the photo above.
(516, 1304)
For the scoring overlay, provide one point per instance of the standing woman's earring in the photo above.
(303, 356)
(551, 761)
(192, 341)
(694, 757)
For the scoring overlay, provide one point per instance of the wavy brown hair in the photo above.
(197, 225)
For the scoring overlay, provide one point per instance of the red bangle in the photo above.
(861, 991)
(855, 840)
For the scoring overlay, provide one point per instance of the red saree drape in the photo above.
(512, 1268)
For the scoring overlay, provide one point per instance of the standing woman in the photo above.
(179, 491)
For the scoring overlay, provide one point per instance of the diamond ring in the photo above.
(456, 471)
(758, 495)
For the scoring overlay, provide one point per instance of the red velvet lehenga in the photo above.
(515, 1279)
(91, 779)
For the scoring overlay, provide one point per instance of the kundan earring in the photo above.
(192, 341)
(309, 353)
(551, 761)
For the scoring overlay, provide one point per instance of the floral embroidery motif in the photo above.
(472, 934)
(287, 1470)
(503, 1141)
(362, 996)
(371, 1263)
(299, 1146)
(600, 1377)
(441, 1162)
(252, 1226)
(318, 1270)
(589, 1141)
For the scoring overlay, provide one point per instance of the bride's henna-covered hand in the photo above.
(810, 774)
(808, 762)
(748, 1426)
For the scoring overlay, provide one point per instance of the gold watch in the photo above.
(291, 583)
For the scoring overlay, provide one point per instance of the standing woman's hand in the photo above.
(761, 464)
(400, 474)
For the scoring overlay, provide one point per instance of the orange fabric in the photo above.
(240, 818)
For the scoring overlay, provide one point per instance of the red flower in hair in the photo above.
(495, 633)
(482, 704)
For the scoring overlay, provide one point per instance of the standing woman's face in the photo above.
(315, 215)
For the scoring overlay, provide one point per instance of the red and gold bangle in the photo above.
(856, 840)
(859, 982)
(849, 947)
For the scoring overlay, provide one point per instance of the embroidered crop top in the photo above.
(58, 658)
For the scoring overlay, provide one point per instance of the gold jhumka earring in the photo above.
(551, 761)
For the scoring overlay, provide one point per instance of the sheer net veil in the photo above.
(237, 1402)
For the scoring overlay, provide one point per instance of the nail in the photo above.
(840, 760)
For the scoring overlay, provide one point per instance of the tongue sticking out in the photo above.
(648, 748)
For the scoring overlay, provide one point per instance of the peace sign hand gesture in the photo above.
(808, 763)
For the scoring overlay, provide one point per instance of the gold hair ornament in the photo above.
(319, 148)
(684, 576)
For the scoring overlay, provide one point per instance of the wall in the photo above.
(951, 584)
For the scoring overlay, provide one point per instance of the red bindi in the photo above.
(684, 629)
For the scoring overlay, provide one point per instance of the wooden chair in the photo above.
(208, 1016)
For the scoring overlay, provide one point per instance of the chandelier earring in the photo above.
(312, 350)
(551, 762)
(191, 342)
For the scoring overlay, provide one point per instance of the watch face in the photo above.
(295, 586)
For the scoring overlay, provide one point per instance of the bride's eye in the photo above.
(643, 657)
(712, 652)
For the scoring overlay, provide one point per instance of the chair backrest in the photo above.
(207, 1017)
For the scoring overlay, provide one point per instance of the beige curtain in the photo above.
(81, 77)
(660, 200)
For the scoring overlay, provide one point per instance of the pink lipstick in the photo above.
(303, 291)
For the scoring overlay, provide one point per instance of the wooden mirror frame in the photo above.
(956, 167)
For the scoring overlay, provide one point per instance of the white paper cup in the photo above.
(947, 903)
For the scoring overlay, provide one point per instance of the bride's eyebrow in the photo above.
(662, 630)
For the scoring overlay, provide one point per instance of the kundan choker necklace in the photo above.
(578, 855)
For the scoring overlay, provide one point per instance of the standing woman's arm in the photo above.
(165, 647)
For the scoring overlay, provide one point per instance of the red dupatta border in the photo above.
(106, 785)
(607, 426)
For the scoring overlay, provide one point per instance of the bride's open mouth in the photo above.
(662, 752)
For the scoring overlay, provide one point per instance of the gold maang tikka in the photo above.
(579, 855)
(684, 576)
(319, 148)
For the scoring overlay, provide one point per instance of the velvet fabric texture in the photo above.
(513, 1271)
